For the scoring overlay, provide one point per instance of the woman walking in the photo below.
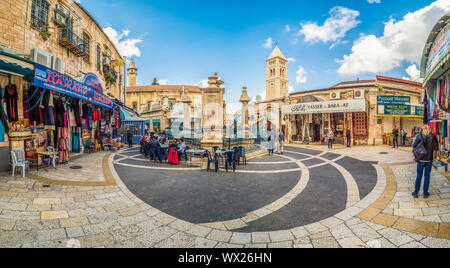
(424, 145)
(271, 140)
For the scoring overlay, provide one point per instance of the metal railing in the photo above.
(76, 42)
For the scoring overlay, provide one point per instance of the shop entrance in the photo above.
(317, 127)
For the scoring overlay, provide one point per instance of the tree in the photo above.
(155, 82)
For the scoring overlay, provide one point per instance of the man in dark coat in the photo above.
(130, 138)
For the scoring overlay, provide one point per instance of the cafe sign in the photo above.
(326, 107)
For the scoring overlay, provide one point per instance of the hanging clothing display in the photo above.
(11, 103)
(76, 143)
(4, 119)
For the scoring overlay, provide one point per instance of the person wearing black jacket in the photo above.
(430, 144)
(396, 133)
(130, 139)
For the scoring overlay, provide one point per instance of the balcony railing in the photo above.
(74, 43)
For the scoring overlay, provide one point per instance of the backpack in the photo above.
(419, 151)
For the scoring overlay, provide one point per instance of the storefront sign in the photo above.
(419, 111)
(394, 100)
(92, 81)
(342, 106)
(50, 79)
(102, 100)
(440, 49)
(394, 109)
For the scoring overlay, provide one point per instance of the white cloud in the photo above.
(287, 28)
(291, 89)
(203, 83)
(374, 1)
(126, 46)
(301, 75)
(233, 107)
(163, 81)
(292, 59)
(268, 43)
(414, 73)
(402, 40)
(335, 27)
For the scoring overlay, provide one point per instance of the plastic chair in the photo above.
(50, 149)
(16, 163)
(241, 155)
(212, 160)
(231, 159)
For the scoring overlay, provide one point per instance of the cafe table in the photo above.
(196, 153)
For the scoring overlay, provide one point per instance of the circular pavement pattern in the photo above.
(271, 193)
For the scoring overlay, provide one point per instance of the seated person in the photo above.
(156, 149)
(181, 149)
(142, 142)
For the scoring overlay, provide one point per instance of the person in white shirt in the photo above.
(280, 140)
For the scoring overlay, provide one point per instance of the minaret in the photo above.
(277, 75)
(132, 73)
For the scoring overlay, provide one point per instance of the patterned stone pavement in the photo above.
(98, 210)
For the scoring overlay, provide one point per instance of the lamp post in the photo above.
(125, 80)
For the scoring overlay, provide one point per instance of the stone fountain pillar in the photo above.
(244, 113)
(186, 100)
(212, 113)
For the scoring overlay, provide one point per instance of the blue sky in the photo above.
(183, 42)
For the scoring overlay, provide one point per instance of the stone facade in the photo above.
(17, 33)
(276, 75)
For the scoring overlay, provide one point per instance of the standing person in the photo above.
(156, 149)
(281, 138)
(404, 135)
(395, 134)
(330, 136)
(271, 141)
(424, 161)
(130, 139)
(349, 138)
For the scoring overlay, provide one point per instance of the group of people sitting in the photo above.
(156, 146)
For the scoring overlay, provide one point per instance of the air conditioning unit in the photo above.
(106, 61)
(359, 94)
(335, 96)
(6, 49)
(41, 57)
(58, 64)
(59, 20)
(62, 11)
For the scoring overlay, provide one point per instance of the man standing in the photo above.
(130, 138)
(349, 138)
(404, 134)
(280, 144)
(395, 134)
(156, 149)
(330, 136)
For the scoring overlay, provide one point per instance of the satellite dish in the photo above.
(258, 98)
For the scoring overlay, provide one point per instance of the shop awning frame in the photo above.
(13, 65)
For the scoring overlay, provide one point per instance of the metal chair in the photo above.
(50, 149)
(16, 163)
(212, 160)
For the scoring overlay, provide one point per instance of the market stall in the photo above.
(435, 70)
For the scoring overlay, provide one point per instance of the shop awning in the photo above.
(125, 114)
(124, 107)
(12, 64)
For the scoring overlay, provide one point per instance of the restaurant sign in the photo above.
(92, 80)
(102, 100)
(326, 107)
(45, 77)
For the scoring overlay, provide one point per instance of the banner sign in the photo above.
(92, 81)
(50, 79)
(394, 109)
(326, 107)
(102, 100)
(91, 92)
(440, 49)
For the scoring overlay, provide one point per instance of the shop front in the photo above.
(50, 109)
(312, 120)
(435, 70)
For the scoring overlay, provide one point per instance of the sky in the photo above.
(326, 41)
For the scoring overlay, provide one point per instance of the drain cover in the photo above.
(384, 153)
(76, 167)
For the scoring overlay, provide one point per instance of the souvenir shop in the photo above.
(49, 111)
(436, 74)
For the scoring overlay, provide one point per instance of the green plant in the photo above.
(45, 34)
(110, 94)
(109, 78)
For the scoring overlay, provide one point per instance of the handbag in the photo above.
(419, 150)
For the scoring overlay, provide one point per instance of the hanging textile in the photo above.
(360, 125)
(11, 103)
(76, 143)
(3, 118)
(425, 110)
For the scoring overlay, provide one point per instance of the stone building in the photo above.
(61, 35)
(162, 105)
(370, 109)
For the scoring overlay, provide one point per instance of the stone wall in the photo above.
(16, 32)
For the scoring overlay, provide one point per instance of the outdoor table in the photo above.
(196, 153)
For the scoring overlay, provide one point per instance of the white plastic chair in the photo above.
(16, 163)
(50, 149)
